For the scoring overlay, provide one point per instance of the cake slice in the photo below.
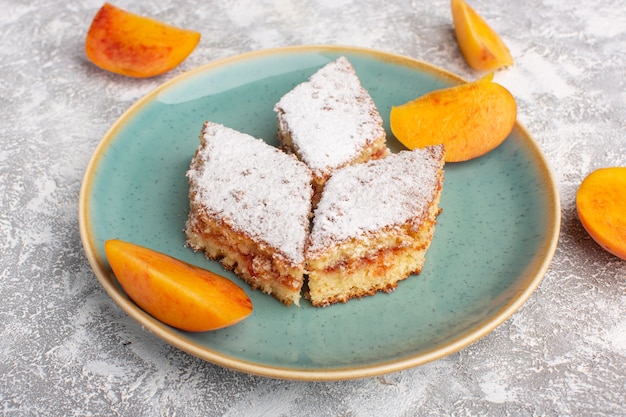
(250, 205)
(330, 121)
(373, 225)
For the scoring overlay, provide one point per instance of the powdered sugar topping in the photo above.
(253, 187)
(367, 197)
(331, 117)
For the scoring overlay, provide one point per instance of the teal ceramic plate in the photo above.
(492, 245)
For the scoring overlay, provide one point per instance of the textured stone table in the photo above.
(67, 349)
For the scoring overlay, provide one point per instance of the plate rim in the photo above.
(165, 333)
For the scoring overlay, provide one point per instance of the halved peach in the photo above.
(469, 119)
(177, 293)
(481, 46)
(137, 46)
(601, 207)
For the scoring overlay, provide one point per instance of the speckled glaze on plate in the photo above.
(493, 243)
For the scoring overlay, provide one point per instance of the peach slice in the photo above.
(601, 207)
(469, 119)
(177, 293)
(481, 46)
(136, 46)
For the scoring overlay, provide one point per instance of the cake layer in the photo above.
(249, 208)
(373, 225)
(254, 263)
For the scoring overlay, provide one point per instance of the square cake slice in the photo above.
(373, 225)
(330, 121)
(250, 206)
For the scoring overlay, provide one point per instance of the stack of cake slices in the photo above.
(332, 207)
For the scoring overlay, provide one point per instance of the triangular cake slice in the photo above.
(330, 121)
(250, 206)
(373, 225)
